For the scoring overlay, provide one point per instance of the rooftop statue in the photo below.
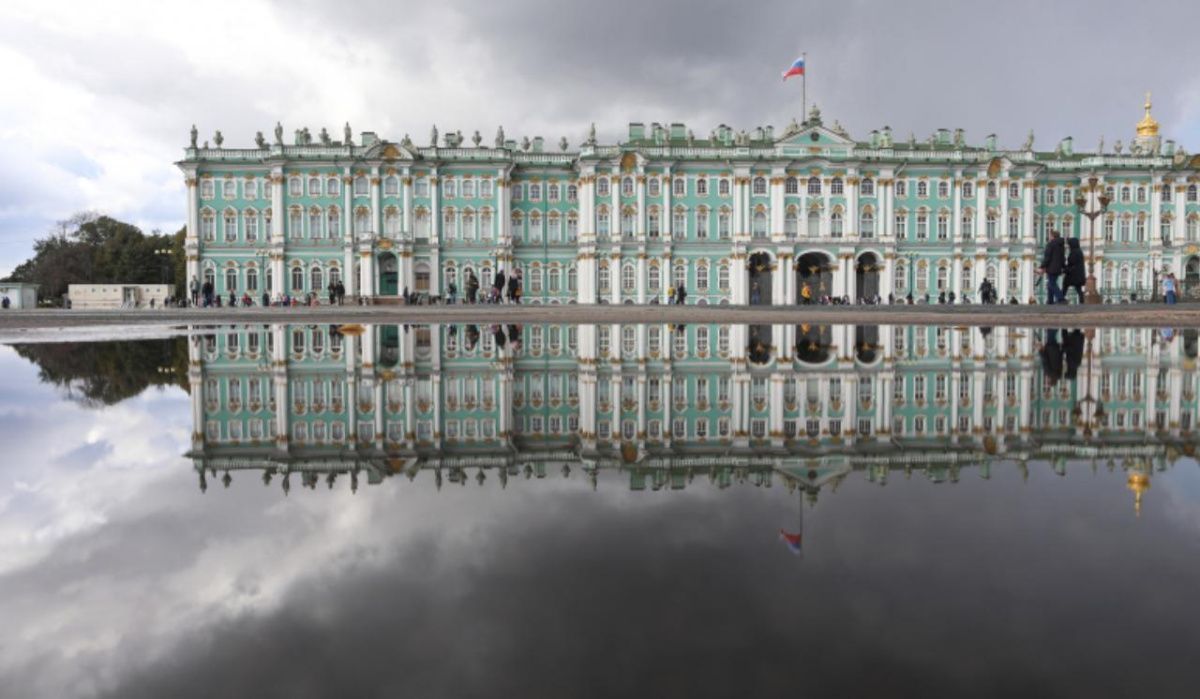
(476, 138)
(838, 128)
(1118, 147)
(691, 138)
(194, 136)
(1100, 148)
(1028, 145)
(959, 139)
(218, 138)
(325, 139)
(278, 134)
(499, 136)
(406, 141)
(525, 144)
(347, 134)
(259, 141)
(792, 128)
(562, 144)
(591, 139)
(433, 134)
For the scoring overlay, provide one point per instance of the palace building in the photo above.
(742, 217)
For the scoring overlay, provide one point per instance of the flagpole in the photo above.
(804, 91)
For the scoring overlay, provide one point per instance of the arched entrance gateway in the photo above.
(389, 275)
(866, 276)
(866, 343)
(758, 347)
(759, 279)
(814, 277)
(1191, 277)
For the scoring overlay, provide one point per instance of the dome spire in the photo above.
(1147, 126)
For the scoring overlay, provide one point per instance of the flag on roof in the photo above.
(797, 68)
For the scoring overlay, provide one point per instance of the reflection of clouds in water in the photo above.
(67, 467)
(1180, 487)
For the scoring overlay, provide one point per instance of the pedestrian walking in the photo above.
(1076, 271)
(194, 288)
(1169, 288)
(1053, 263)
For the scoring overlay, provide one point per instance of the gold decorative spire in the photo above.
(1147, 126)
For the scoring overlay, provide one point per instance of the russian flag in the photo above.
(792, 540)
(797, 68)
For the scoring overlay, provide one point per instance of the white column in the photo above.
(1027, 213)
(639, 222)
(376, 194)
(666, 216)
(1179, 223)
(850, 218)
(348, 275)
(192, 239)
(278, 244)
(980, 208)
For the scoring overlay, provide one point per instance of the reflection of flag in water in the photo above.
(792, 541)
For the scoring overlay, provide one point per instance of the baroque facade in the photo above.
(309, 401)
(733, 218)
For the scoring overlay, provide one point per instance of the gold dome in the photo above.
(1147, 126)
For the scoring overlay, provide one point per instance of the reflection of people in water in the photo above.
(498, 335)
(472, 336)
(1073, 352)
(1052, 358)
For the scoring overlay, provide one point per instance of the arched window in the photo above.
(335, 275)
(679, 278)
(332, 188)
(901, 224)
(572, 226)
(422, 223)
(967, 224)
(814, 185)
(866, 224)
(991, 189)
(836, 187)
(391, 186)
(252, 280)
(943, 189)
(723, 187)
(604, 278)
(760, 224)
(602, 186)
(1192, 192)
(362, 221)
(317, 279)
(943, 278)
(702, 277)
(334, 222)
(943, 225)
(922, 189)
(990, 225)
(723, 224)
(1125, 195)
(702, 223)
(554, 280)
(314, 223)
(791, 186)
(627, 222)
(628, 279)
(900, 281)
(250, 222)
(1126, 226)
(231, 226)
(723, 277)
(449, 221)
(654, 223)
(1193, 228)
(571, 278)
(231, 279)
(968, 189)
(602, 222)
(1014, 224)
(210, 276)
(468, 225)
(791, 223)
(922, 224)
(653, 188)
(813, 226)
(867, 187)
(760, 186)
(679, 224)
(627, 187)
(297, 279)
(654, 278)
(835, 224)
(360, 186)
(208, 226)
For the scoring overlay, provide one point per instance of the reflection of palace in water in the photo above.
(667, 403)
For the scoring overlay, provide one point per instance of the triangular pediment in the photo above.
(385, 150)
(817, 135)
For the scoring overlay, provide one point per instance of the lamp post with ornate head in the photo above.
(1092, 200)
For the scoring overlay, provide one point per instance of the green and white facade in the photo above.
(723, 216)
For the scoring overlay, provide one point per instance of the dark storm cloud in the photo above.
(980, 589)
(1063, 68)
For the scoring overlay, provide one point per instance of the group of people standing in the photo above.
(1063, 258)
(510, 287)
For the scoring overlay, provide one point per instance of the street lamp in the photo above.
(166, 257)
(1092, 200)
(1094, 418)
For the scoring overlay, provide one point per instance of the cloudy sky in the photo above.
(100, 96)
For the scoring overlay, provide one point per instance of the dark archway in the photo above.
(866, 343)
(866, 276)
(389, 277)
(1191, 277)
(759, 279)
(758, 345)
(389, 345)
(814, 343)
(814, 277)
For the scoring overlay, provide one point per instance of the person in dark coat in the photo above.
(1076, 270)
(1054, 261)
(512, 288)
(498, 284)
(680, 295)
(472, 287)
